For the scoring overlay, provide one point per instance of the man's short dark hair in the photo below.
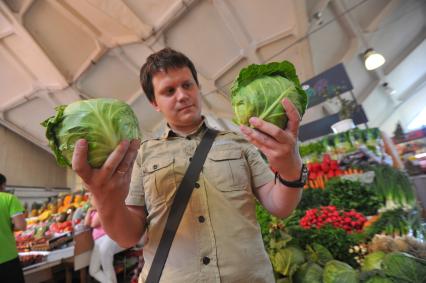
(2, 179)
(163, 60)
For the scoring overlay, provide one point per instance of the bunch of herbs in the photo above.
(347, 195)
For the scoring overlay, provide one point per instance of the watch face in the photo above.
(305, 174)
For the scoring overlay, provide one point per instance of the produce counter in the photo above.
(357, 221)
(42, 271)
(73, 258)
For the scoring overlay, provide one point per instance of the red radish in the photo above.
(334, 164)
(316, 167)
(326, 158)
(325, 167)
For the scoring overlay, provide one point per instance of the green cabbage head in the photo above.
(373, 261)
(102, 122)
(286, 261)
(404, 267)
(339, 272)
(308, 272)
(259, 89)
(379, 279)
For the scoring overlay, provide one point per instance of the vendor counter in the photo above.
(73, 258)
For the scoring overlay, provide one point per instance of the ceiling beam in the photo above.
(391, 65)
(373, 25)
(24, 134)
(241, 36)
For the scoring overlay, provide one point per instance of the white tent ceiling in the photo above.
(53, 52)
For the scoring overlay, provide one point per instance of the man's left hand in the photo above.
(278, 145)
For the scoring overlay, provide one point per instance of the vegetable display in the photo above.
(339, 272)
(347, 220)
(343, 143)
(102, 122)
(259, 89)
(403, 267)
(396, 222)
(373, 261)
(312, 198)
(346, 194)
(309, 273)
(394, 185)
(347, 180)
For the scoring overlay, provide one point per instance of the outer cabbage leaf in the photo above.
(339, 272)
(373, 261)
(259, 89)
(404, 267)
(319, 254)
(288, 260)
(102, 122)
(379, 279)
(309, 273)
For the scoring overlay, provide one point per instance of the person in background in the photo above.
(102, 261)
(218, 239)
(11, 219)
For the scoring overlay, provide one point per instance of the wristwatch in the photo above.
(298, 183)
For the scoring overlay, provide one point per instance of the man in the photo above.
(11, 218)
(218, 239)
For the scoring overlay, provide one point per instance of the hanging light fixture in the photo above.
(372, 59)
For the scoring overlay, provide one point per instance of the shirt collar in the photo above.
(168, 132)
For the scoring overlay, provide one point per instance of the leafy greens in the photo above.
(102, 122)
(259, 89)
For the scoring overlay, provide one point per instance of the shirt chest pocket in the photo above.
(227, 169)
(158, 180)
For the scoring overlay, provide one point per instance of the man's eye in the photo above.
(187, 85)
(170, 91)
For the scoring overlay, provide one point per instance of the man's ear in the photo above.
(155, 105)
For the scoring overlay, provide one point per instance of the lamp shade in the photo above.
(372, 59)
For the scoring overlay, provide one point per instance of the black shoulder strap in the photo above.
(180, 201)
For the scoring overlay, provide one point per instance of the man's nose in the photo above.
(181, 93)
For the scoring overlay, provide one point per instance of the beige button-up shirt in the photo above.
(218, 239)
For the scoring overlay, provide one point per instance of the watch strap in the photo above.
(295, 184)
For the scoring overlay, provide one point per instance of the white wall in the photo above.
(25, 164)
(406, 112)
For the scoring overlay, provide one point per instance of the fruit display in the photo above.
(50, 225)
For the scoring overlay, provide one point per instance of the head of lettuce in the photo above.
(102, 122)
(259, 89)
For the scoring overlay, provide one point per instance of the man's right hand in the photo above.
(112, 180)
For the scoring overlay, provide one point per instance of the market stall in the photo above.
(55, 238)
(57, 245)
(411, 147)
(358, 220)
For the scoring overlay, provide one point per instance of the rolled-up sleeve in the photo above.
(261, 174)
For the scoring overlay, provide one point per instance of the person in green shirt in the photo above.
(11, 218)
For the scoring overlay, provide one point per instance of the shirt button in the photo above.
(197, 185)
(201, 219)
(190, 159)
(206, 260)
(155, 167)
